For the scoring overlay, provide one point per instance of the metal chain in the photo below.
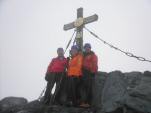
(116, 48)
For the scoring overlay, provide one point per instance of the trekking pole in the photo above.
(39, 98)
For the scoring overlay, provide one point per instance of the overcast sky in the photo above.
(32, 30)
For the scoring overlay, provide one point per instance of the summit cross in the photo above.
(79, 25)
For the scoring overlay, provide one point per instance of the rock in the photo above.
(114, 92)
(140, 97)
(133, 79)
(33, 106)
(10, 102)
(98, 88)
(23, 111)
(62, 109)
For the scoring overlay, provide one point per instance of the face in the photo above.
(60, 53)
(87, 49)
(74, 52)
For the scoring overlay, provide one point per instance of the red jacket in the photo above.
(90, 62)
(57, 65)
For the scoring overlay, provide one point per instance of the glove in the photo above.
(46, 77)
(68, 58)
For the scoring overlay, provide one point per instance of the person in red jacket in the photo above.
(90, 68)
(55, 73)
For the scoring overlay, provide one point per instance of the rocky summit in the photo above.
(114, 92)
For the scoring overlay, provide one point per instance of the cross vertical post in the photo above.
(79, 33)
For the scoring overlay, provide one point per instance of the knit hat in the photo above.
(87, 45)
(75, 47)
(60, 49)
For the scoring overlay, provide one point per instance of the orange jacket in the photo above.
(75, 66)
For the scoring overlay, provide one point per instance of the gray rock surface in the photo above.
(10, 102)
(133, 79)
(98, 89)
(114, 92)
(23, 111)
(140, 97)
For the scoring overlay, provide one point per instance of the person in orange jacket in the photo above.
(74, 73)
(90, 68)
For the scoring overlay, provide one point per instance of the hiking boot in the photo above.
(85, 105)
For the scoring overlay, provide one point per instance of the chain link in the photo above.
(116, 48)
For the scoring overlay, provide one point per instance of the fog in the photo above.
(32, 30)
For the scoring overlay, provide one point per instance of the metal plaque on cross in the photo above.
(79, 24)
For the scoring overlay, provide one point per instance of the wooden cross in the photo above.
(79, 24)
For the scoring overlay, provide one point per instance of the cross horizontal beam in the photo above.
(86, 21)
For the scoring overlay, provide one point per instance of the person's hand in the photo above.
(46, 77)
(68, 58)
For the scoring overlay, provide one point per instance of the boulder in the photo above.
(114, 92)
(133, 79)
(100, 79)
(10, 102)
(23, 111)
(140, 96)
